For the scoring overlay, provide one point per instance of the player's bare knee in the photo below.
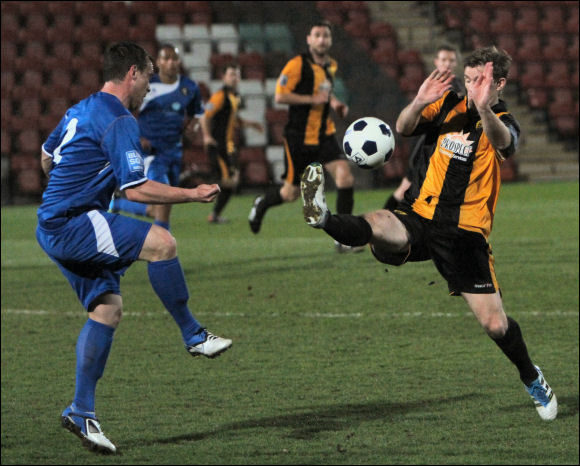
(494, 326)
(289, 194)
(166, 247)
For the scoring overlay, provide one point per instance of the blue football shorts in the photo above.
(164, 167)
(93, 250)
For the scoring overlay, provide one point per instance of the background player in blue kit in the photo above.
(170, 110)
(94, 149)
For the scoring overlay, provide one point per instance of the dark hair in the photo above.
(321, 23)
(168, 46)
(500, 58)
(120, 57)
(447, 48)
(228, 65)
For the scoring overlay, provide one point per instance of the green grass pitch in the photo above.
(335, 359)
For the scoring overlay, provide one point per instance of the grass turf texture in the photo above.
(335, 360)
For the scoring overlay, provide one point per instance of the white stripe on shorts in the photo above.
(105, 242)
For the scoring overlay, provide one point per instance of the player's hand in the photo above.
(321, 97)
(145, 145)
(433, 88)
(341, 110)
(481, 89)
(205, 192)
(209, 141)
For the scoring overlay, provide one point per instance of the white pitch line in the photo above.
(316, 315)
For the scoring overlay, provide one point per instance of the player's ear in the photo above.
(500, 84)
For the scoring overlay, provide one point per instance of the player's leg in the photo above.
(168, 282)
(162, 169)
(229, 178)
(506, 333)
(275, 195)
(382, 229)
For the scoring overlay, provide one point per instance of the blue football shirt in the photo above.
(94, 148)
(165, 110)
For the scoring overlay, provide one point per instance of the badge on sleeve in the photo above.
(134, 160)
(283, 80)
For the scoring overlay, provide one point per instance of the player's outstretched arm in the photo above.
(432, 89)
(152, 192)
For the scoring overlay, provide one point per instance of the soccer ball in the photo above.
(368, 142)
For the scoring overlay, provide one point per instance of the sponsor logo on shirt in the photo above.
(457, 146)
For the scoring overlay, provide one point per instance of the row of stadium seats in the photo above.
(542, 40)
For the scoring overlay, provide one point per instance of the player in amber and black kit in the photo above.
(445, 59)
(306, 85)
(448, 211)
(218, 125)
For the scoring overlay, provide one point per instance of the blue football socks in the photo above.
(93, 346)
(132, 207)
(162, 224)
(168, 282)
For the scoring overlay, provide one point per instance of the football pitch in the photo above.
(337, 358)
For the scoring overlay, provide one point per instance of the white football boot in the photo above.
(211, 347)
(543, 397)
(315, 210)
(88, 429)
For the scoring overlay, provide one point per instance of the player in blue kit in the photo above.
(94, 149)
(171, 108)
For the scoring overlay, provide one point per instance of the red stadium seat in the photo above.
(90, 28)
(252, 65)
(10, 26)
(382, 29)
(555, 48)
(572, 49)
(409, 56)
(6, 139)
(32, 83)
(508, 42)
(25, 169)
(29, 141)
(572, 20)
(528, 20)
(566, 126)
(28, 8)
(35, 28)
(552, 20)
(538, 98)
(8, 80)
(62, 29)
(90, 55)
(530, 48)
(558, 74)
(6, 111)
(117, 28)
(533, 75)
(503, 21)
(59, 56)
(91, 8)
(478, 21)
(33, 57)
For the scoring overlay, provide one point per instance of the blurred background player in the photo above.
(94, 149)
(305, 84)
(170, 110)
(446, 59)
(219, 123)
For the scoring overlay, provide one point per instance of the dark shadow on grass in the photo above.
(306, 425)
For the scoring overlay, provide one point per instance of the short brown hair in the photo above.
(500, 58)
(321, 23)
(120, 57)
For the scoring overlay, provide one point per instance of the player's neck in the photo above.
(119, 91)
(168, 79)
(319, 59)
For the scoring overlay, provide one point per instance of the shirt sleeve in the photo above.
(121, 144)
(514, 129)
(215, 104)
(290, 76)
(195, 107)
(53, 139)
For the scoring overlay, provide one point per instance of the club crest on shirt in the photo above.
(184, 90)
(457, 146)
